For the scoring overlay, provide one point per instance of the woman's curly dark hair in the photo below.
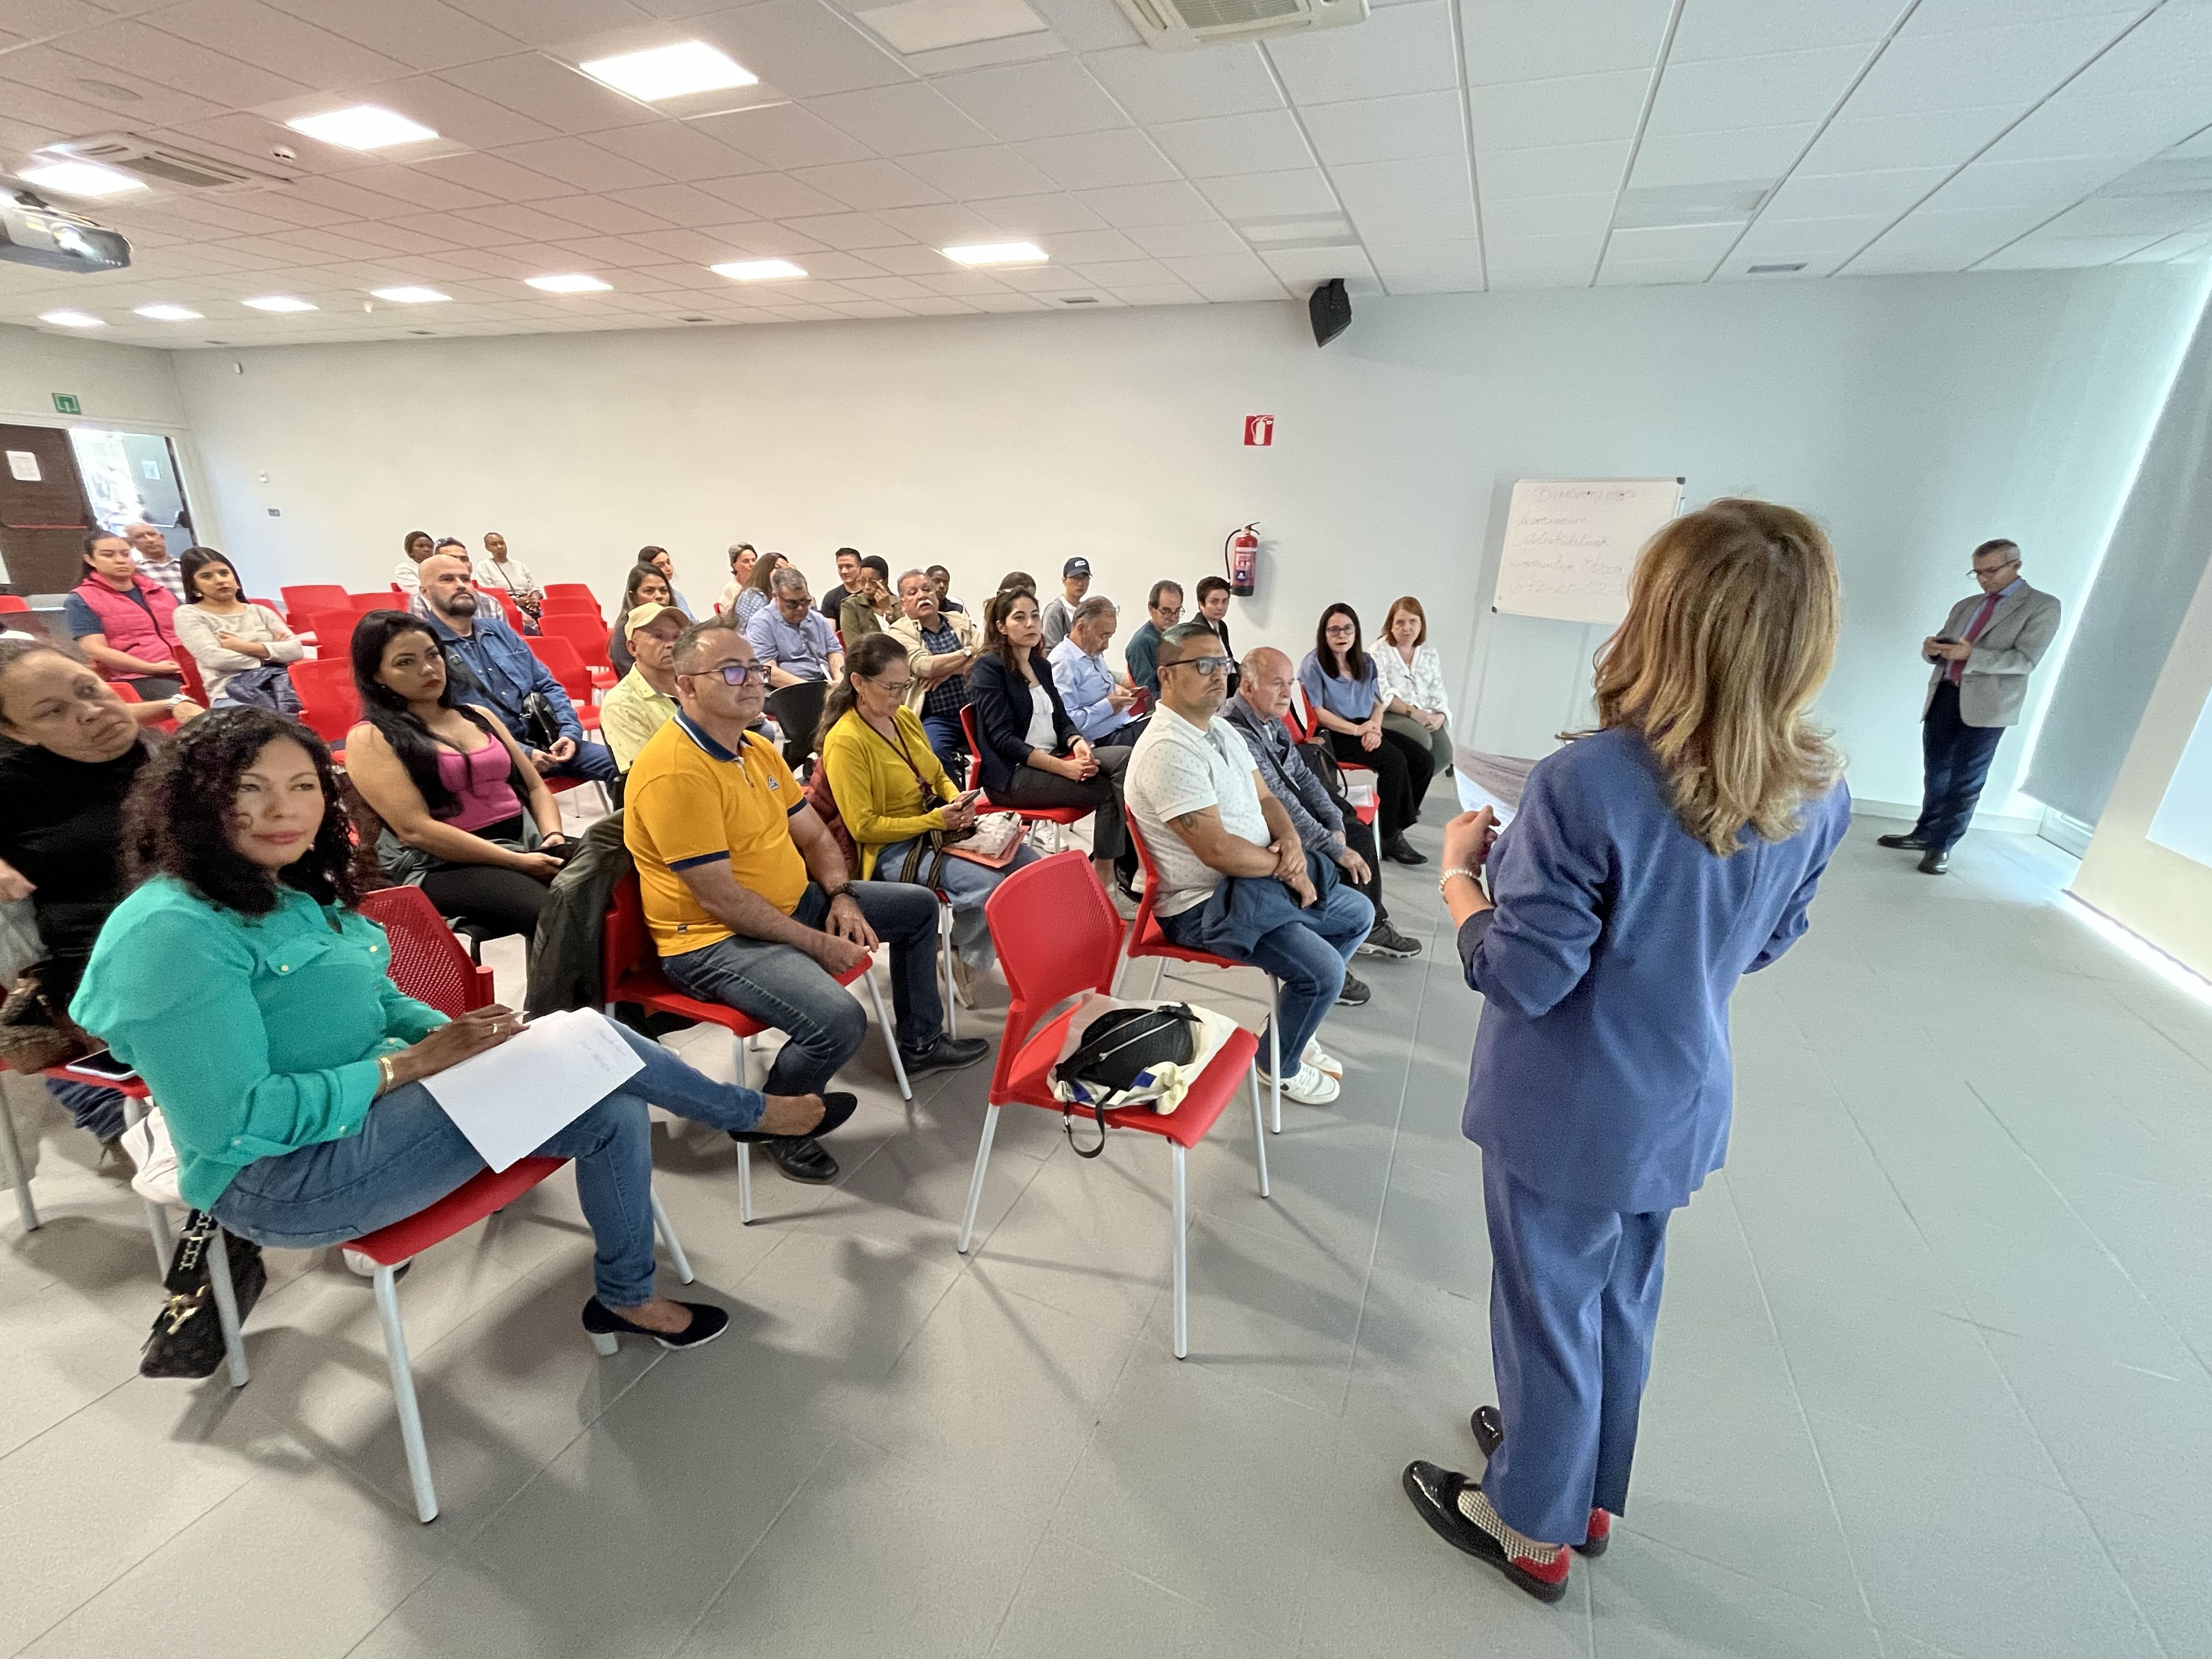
(177, 820)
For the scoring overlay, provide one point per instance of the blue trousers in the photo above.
(1306, 952)
(594, 760)
(1956, 760)
(408, 1155)
(949, 744)
(1574, 1299)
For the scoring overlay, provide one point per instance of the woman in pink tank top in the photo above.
(449, 783)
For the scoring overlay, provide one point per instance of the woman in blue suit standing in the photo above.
(1653, 862)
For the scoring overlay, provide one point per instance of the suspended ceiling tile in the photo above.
(1154, 87)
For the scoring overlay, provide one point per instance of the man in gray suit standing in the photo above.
(1982, 658)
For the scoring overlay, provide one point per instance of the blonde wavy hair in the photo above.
(1731, 632)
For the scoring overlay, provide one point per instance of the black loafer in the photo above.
(1934, 862)
(1435, 1493)
(605, 1324)
(1399, 850)
(802, 1160)
(835, 1109)
(945, 1054)
(1490, 1434)
(1901, 843)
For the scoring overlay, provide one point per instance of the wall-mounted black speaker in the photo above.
(1330, 309)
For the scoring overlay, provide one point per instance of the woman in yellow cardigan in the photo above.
(892, 791)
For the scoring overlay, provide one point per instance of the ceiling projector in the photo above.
(34, 234)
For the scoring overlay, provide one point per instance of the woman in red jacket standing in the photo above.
(124, 621)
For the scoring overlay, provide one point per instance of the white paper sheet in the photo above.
(1491, 780)
(510, 1100)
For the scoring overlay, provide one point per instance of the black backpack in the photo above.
(1118, 1051)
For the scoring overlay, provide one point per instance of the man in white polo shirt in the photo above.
(1234, 879)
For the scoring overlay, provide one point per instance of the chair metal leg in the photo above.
(403, 1396)
(1159, 973)
(1275, 1048)
(745, 1047)
(11, 1155)
(666, 1228)
(1259, 1139)
(226, 1309)
(951, 991)
(891, 1036)
(975, 1183)
(157, 1215)
(1181, 1256)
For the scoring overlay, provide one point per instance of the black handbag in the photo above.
(186, 1341)
(541, 726)
(1118, 1050)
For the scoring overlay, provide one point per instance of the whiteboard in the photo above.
(1571, 543)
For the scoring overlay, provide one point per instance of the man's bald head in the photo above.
(1268, 678)
(146, 540)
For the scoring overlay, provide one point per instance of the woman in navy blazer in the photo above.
(1011, 692)
(1652, 863)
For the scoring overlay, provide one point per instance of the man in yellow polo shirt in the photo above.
(750, 903)
(643, 700)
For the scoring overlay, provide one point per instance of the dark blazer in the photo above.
(1000, 699)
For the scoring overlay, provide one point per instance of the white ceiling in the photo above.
(1442, 145)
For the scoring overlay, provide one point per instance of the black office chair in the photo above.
(797, 710)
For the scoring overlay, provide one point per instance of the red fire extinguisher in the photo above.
(1240, 553)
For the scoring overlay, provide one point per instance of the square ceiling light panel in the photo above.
(71, 319)
(757, 271)
(659, 73)
(409, 297)
(168, 313)
(932, 25)
(575, 282)
(72, 178)
(362, 126)
(280, 302)
(996, 253)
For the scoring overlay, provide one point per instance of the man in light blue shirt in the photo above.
(791, 637)
(1097, 699)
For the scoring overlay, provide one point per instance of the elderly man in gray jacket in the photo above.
(1324, 825)
(1990, 645)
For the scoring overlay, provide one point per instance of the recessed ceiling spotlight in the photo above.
(80, 178)
(757, 271)
(71, 319)
(676, 71)
(1776, 270)
(576, 283)
(996, 253)
(410, 296)
(281, 302)
(109, 89)
(1079, 299)
(364, 126)
(168, 313)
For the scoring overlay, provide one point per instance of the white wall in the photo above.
(1914, 416)
(2151, 889)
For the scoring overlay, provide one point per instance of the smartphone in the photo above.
(104, 1065)
(967, 798)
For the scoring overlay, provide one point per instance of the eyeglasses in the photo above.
(1172, 613)
(736, 673)
(1992, 569)
(896, 688)
(1339, 630)
(1208, 665)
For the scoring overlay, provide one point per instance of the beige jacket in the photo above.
(909, 633)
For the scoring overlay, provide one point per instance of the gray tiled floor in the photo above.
(1933, 1376)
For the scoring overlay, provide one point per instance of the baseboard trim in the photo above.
(2010, 824)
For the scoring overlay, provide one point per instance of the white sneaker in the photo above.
(1322, 1061)
(1310, 1087)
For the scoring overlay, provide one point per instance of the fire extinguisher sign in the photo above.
(1259, 431)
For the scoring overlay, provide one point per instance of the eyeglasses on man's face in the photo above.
(1208, 666)
(1992, 569)
(736, 673)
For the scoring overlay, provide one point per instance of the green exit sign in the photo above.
(65, 403)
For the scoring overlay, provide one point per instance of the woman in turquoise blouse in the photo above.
(254, 1001)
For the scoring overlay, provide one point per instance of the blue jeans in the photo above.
(408, 1155)
(594, 760)
(780, 985)
(1306, 953)
(1574, 1298)
(97, 1111)
(969, 886)
(950, 744)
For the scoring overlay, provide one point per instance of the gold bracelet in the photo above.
(384, 1073)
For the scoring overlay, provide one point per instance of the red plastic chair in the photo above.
(587, 637)
(1058, 936)
(10, 602)
(429, 963)
(188, 671)
(1148, 939)
(1299, 720)
(571, 604)
(572, 590)
(629, 968)
(329, 705)
(1028, 814)
(394, 597)
(562, 662)
(301, 603)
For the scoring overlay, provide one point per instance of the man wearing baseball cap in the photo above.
(644, 700)
(1060, 615)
